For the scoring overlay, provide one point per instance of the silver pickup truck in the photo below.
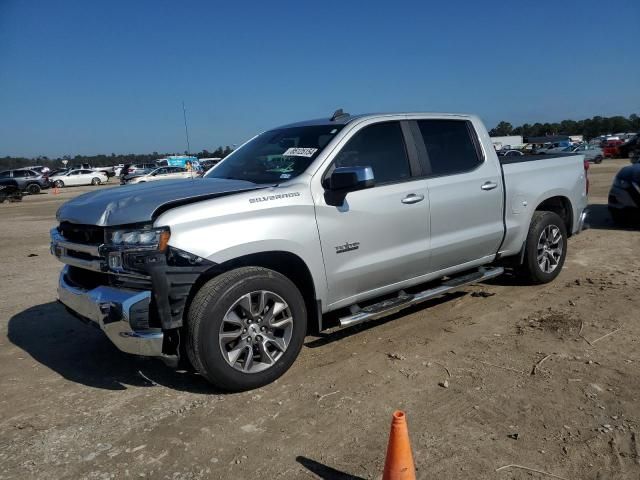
(360, 216)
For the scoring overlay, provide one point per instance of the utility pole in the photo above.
(186, 129)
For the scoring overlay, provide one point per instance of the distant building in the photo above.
(507, 142)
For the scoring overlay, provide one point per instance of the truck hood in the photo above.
(143, 202)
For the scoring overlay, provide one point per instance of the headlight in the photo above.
(157, 238)
(620, 183)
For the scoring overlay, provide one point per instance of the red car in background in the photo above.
(610, 148)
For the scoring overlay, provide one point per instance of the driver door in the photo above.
(73, 178)
(378, 237)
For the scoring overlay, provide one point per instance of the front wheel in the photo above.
(598, 159)
(58, 184)
(245, 328)
(33, 189)
(545, 247)
(95, 181)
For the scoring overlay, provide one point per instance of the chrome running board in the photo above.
(404, 300)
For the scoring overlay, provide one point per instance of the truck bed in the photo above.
(528, 176)
(532, 158)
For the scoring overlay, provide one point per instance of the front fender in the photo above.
(231, 227)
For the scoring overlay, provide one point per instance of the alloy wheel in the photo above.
(256, 331)
(550, 248)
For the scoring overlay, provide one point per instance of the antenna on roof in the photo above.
(337, 114)
(186, 129)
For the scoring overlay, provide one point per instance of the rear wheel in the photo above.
(245, 328)
(33, 189)
(545, 247)
(95, 181)
(598, 159)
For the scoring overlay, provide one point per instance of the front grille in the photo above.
(88, 280)
(85, 234)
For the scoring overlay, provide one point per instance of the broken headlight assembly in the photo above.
(156, 239)
(133, 249)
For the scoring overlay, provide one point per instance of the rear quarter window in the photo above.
(451, 146)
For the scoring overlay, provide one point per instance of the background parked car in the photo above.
(163, 173)
(9, 190)
(131, 170)
(624, 196)
(631, 149)
(78, 177)
(591, 153)
(27, 180)
(610, 148)
(207, 163)
(58, 171)
(117, 170)
(510, 153)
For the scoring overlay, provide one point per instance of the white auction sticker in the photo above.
(300, 152)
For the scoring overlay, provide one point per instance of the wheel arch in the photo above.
(560, 205)
(286, 263)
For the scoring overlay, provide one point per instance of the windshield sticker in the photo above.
(285, 175)
(299, 152)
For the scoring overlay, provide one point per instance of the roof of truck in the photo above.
(346, 118)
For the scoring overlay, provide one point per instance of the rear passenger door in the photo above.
(379, 236)
(465, 194)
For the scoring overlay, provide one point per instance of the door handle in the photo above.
(412, 198)
(489, 185)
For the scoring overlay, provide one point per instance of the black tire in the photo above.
(3, 197)
(531, 268)
(95, 181)
(33, 189)
(598, 159)
(58, 184)
(205, 317)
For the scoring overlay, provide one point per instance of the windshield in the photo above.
(276, 155)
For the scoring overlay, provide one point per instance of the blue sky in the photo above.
(84, 77)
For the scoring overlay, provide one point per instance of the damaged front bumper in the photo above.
(138, 300)
(114, 311)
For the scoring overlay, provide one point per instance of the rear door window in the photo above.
(450, 145)
(379, 146)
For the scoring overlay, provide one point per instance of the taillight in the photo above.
(586, 176)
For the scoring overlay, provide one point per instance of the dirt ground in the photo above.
(73, 406)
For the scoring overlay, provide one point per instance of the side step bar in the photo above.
(404, 300)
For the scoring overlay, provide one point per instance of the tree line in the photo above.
(589, 127)
(102, 160)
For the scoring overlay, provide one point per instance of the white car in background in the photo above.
(163, 173)
(78, 177)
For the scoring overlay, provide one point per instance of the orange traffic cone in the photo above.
(399, 462)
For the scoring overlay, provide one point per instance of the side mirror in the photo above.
(347, 179)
